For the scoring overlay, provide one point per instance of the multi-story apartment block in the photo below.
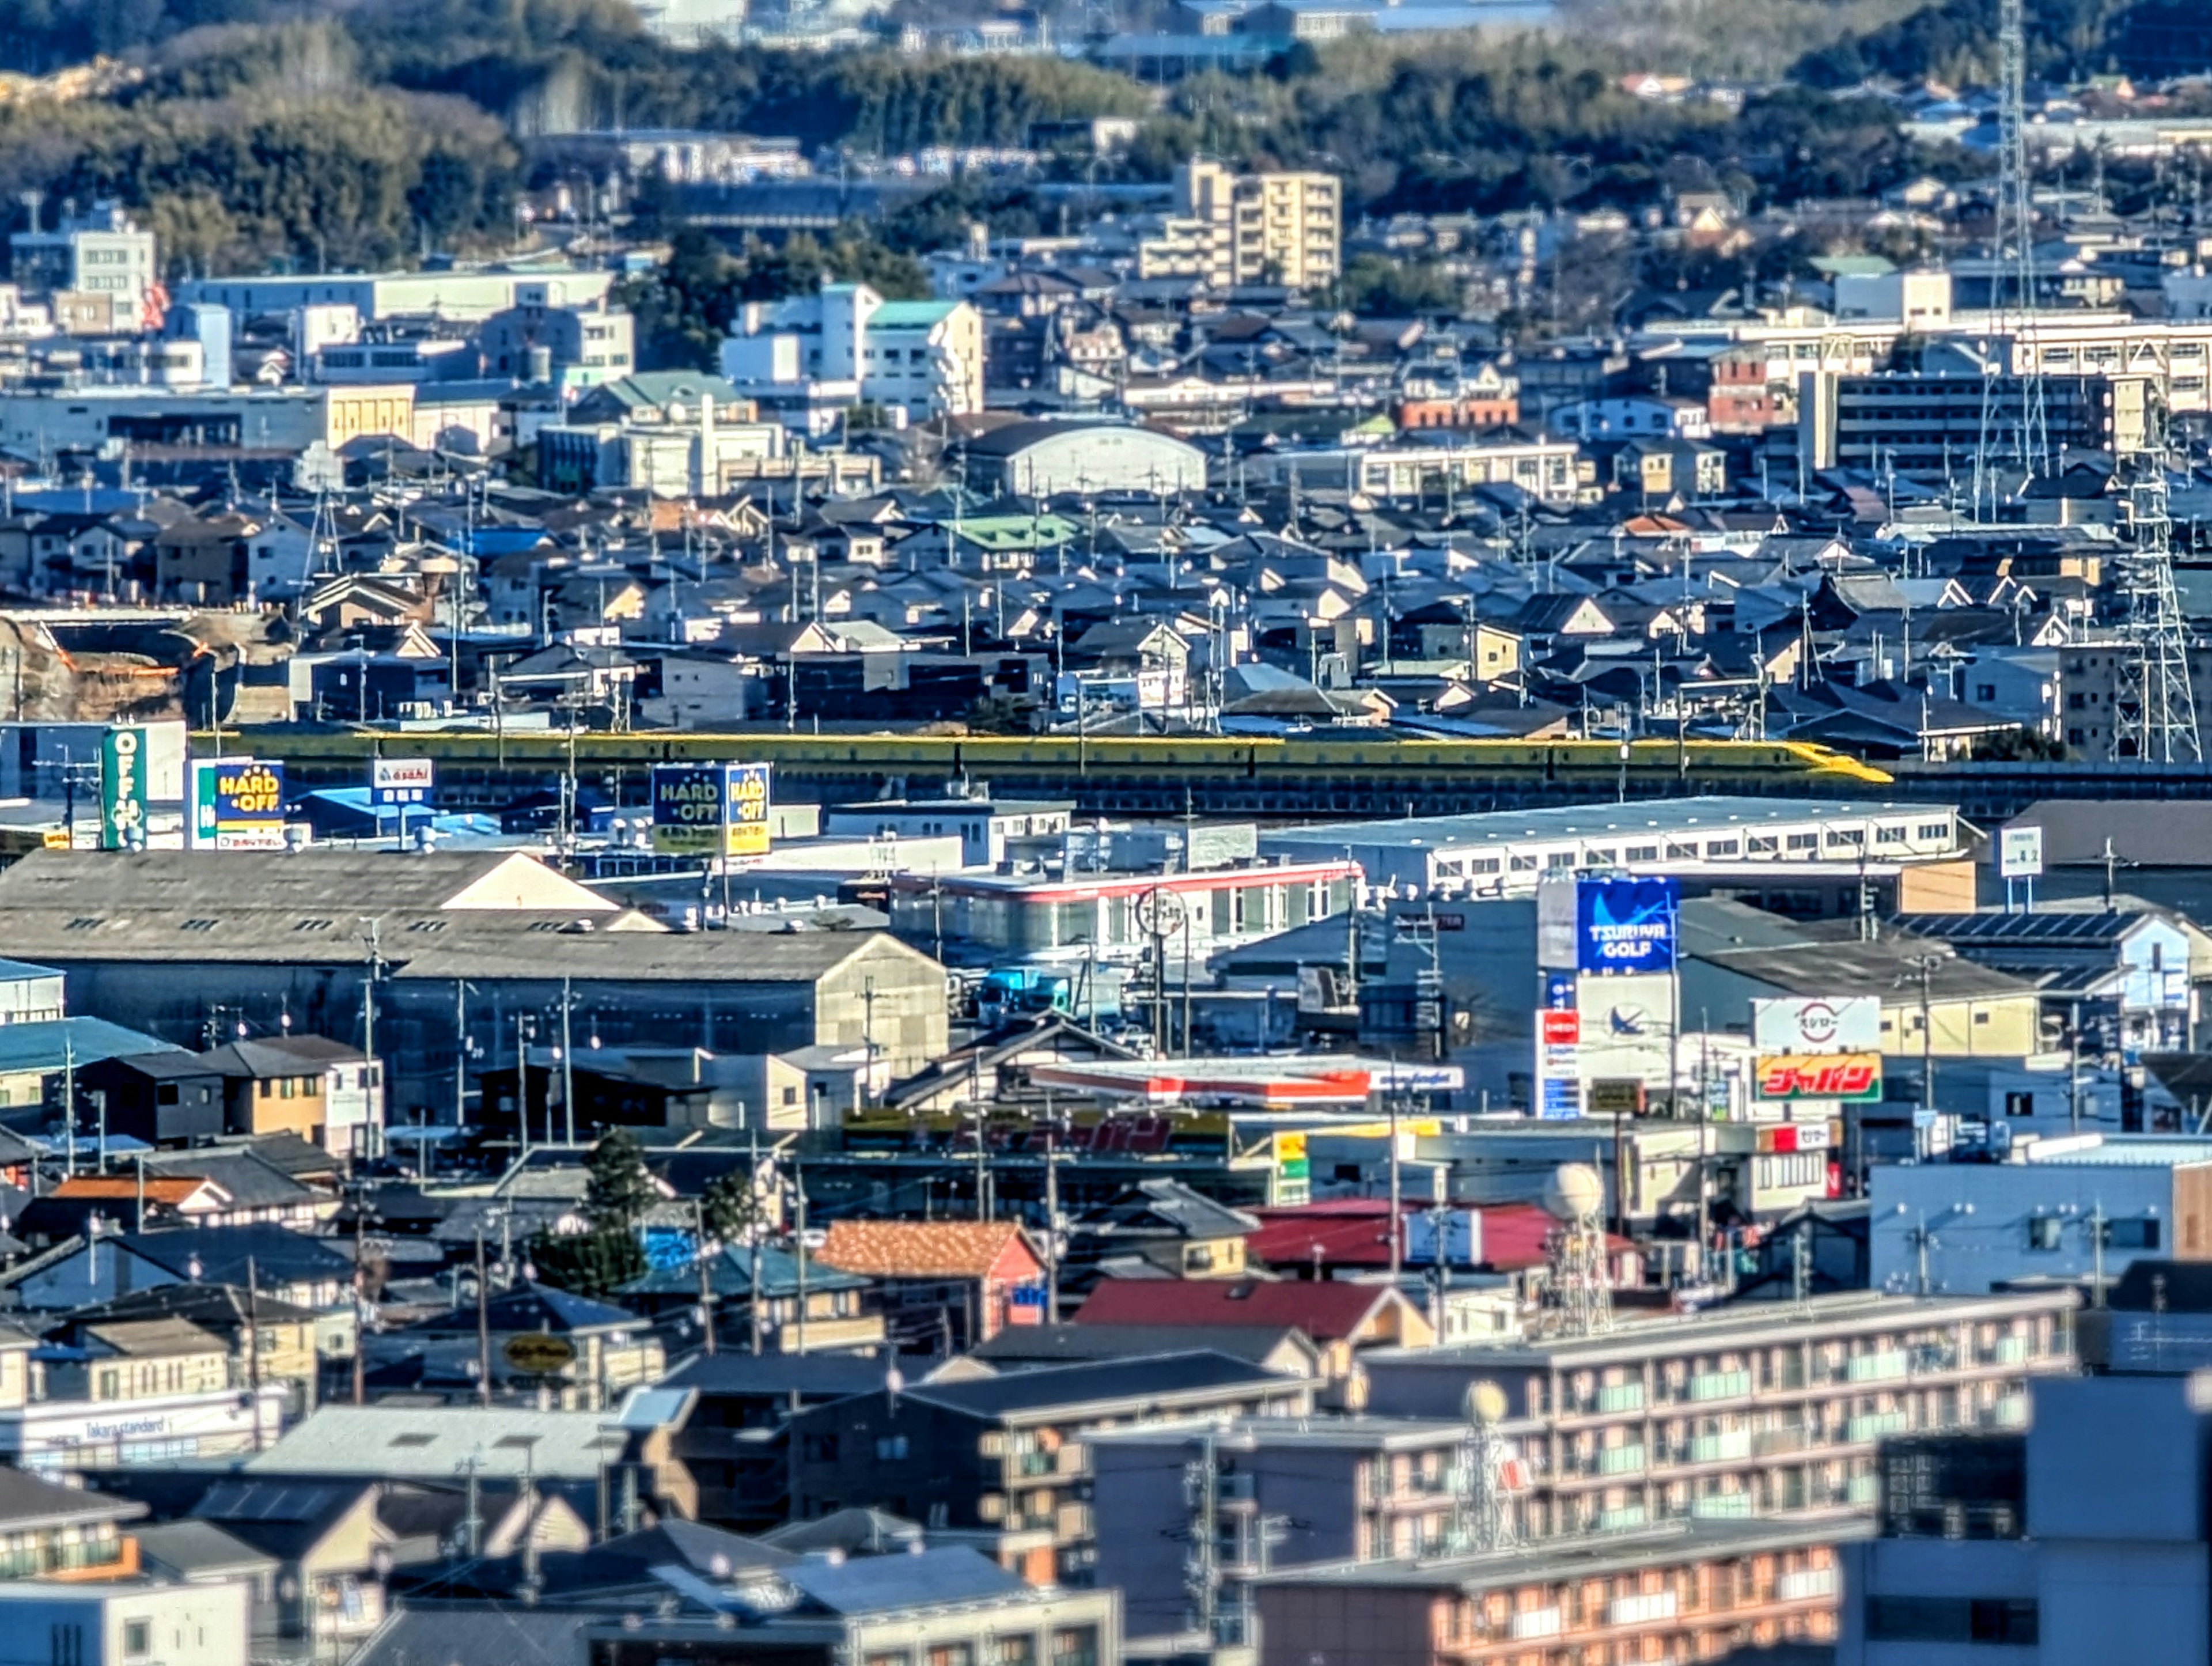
(1285, 228)
(2085, 1540)
(104, 253)
(1010, 1454)
(2090, 676)
(1740, 1412)
(1285, 1492)
(1687, 1592)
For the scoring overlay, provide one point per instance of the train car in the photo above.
(1368, 773)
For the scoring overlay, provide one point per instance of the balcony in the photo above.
(1720, 1385)
(1641, 1610)
(1532, 1623)
(1803, 1585)
(1884, 1367)
(1863, 1489)
(1873, 1425)
(1779, 1442)
(1722, 1507)
(2009, 1413)
(1620, 1460)
(2009, 1350)
(1719, 1448)
(1621, 1397)
(1620, 1519)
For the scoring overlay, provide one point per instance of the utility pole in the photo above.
(798, 1244)
(484, 1324)
(371, 933)
(2097, 1221)
(1397, 1236)
(1051, 1217)
(2073, 1067)
(254, 1348)
(706, 1283)
(753, 1293)
(567, 1071)
(69, 1109)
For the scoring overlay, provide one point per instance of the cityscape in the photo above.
(1139, 833)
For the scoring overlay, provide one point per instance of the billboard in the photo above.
(1854, 1077)
(2019, 853)
(1624, 924)
(1797, 1024)
(1628, 1029)
(1559, 1073)
(122, 789)
(707, 809)
(401, 781)
(237, 804)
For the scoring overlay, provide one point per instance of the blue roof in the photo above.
(913, 312)
(223, 1253)
(920, 1579)
(54, 1044)
(539, 1307)
(730, 1274)
(12, 970)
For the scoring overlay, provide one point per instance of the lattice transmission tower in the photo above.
(2154, 713)
(2016, 438)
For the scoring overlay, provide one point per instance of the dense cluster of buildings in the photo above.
(496, 1167)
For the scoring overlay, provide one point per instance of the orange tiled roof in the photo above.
(172, 1190)
(916, 1248)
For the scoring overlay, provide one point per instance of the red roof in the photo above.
(1326, 1311)
(1352, 1232)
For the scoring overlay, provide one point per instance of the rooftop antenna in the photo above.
(2015, 429)
(1577, 1300)
(1491, 1473)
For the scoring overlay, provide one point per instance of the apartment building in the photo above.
(1742, 1411)
(1688, 1591)
(105, 252)
(1010, 1455)
(941, 1605)
(1285, 1492)
(2085, 1540)
(1927, 424)
(2092, 672)
(1285, 229)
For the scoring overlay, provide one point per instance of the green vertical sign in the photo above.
(122, 789)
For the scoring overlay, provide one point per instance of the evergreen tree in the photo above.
(731, 1205)
(621, 1188)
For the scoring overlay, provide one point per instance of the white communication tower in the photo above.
(1492, 1475)
(1577, 1299)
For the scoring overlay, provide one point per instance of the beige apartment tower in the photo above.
(1263, 228)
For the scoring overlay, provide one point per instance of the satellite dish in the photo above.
(1486, 1402)
(1574, 1193)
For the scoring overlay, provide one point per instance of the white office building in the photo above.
(812, 358)
(1507, 852)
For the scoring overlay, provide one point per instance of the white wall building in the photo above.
(135, 1623)
(810, 357)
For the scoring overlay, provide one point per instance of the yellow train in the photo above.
(1375, 761)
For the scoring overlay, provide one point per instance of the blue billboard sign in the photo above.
(1624, 924)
